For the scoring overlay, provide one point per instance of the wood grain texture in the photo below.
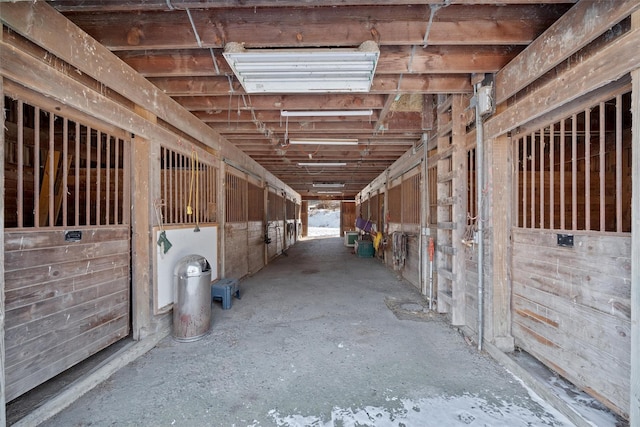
(66, 300)
(571, 309)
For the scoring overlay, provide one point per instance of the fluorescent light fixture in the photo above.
(329, 192)
(326, 113)
(328, 184)
(323, 141)
(322, 164)
(304, 70)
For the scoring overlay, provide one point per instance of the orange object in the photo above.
(431, 248)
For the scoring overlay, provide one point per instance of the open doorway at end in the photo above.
(323, 218)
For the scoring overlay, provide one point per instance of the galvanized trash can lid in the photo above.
(191, 265)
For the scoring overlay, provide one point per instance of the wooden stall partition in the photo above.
(236, 227)
(275, 224)
(304, 218)
(347, 216)
(571, 309)
(571, 302)
(65, 300)
(255, 227)
(411, 208)
(67, 245)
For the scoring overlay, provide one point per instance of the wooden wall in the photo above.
(347, 217)
(64, 300)
(276, 231)
(571, 309)
(255, 246)
(236, 263)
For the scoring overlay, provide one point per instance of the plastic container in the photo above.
(365, 249)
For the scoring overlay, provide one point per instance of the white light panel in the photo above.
(323, 141)
(322, 164)
(328, 184)
(304, 70)
(326, 113)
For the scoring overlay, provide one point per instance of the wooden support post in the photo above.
(459, 208)
(500, 198)
(634, 398)
(141, 236)
(3, 416)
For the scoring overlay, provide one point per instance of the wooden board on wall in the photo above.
(65, 300)
(185, 241)
(571, 309)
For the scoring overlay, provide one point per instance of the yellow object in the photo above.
(377, 239)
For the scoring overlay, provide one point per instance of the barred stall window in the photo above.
(188, 188)
(432, 188)
(256, 203)
(575, 174)
(291, 210)
(236, 198)
(276, 207)
(472, 199)
(60, 172)
(411, 200)
(395, 204)
(374, 207)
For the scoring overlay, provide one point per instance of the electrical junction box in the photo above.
(485, 100)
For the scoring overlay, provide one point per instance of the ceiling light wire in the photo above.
(215, 63)
(193, 26)
(230, 80)
(434, 8)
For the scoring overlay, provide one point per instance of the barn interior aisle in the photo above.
(319, 337)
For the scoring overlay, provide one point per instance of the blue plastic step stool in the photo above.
(223, 289)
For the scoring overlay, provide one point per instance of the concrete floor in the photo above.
(320, 337)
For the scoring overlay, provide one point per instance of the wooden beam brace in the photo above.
(21, 67)
(607, 65)
(275, 27)
(44, 26)
(161, 5)
(581, 25)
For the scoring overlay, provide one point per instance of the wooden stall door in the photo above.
(571, 304)
(67, 242)
(347, 217)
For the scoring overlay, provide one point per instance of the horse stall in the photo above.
(67, 239)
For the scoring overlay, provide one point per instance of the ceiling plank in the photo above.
(319, 26)
(163, 5)
(405, 60)
(388, 83)
(282, 102)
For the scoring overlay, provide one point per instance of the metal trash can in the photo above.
(191, 298)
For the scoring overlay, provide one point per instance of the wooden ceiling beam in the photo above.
(163, 5)
(282, 102)
(406, 60)
(382, 83)
(269, 116)
(319, 26)
(586, 21)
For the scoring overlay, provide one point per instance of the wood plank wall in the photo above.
(255, 246)
(64, 300)
(571, 309)
(236, 242)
